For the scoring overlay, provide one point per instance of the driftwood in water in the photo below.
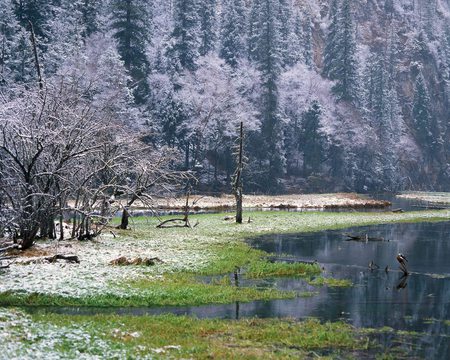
(290, 260)
(399, 210)
(365, 237)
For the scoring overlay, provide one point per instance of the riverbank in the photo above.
(292, 201)
(214, 247)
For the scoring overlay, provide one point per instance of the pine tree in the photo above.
(232, 46)
(330, 53)
(130, 21)
(208, 34)
(312, 140)
(89, 11)
(267, 55)
(183, 49)
(424, 122)
(307, 43)
(345, 67)
(295, 52)
(10, 32)
(35, 11)
(284, 19)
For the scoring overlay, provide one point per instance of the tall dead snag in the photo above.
(36, 58)
(237, 177)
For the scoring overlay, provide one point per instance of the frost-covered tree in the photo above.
(35, 11)
(266, 53)
(330, 53)
(233, 26)
(10, 39)
(312, 140)
(131, 25)
(295, 42)
(183, 47)
(425, 126)
(345, 67)
(208, 35)
(307, 43)
(284, 17)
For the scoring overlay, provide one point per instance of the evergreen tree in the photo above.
(232, 45)
(330, 53)
(131, 22)
(345, 67)
(183, 49)
(312, 140)
(424, 122)
(254, 28)
(35, 11)
(307, 43)
(10, 32)
(267, 55)
(284, 18)
(295, 52)
(89, 12)
(207, 26)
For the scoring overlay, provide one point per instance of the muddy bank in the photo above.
(299, 201)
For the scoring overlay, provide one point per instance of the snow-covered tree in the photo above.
(208, 35)
(131, 25)
(345, 67)
(232, 41)
(183, 47)
(425, 126)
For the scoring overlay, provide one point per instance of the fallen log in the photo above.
(365, 237)
(123, 261)
(10, 247)
(174, 223)
(290, 260)
(52, 259)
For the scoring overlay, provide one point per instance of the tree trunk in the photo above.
(124, 220)
(237, 178)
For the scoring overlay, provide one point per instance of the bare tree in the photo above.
(60, 158)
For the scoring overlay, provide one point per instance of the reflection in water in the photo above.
(417, 302)
(380, 295)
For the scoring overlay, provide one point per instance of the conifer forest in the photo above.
(335, 95)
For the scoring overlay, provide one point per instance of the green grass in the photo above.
(170, 336)
(331, 282)
(222, 249)
(265, 269)
(172, 290)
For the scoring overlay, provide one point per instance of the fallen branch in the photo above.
(11, 247)
(54, 258)
(365, 237)
(290, 260)
(123, 261)
(185, 223)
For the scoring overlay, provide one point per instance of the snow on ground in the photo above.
(317, 201)
(431, 197)
(21, 338)
(94, 275)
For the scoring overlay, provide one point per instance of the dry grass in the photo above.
(298, 201)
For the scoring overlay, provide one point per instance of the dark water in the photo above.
(419, 302)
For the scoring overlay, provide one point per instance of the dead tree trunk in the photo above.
(237, 177)
(124, 220)
(36, 58)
